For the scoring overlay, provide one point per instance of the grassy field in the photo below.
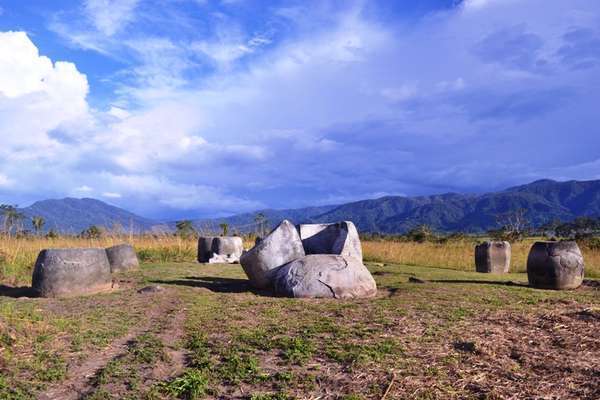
(17, 256)
(455, 335)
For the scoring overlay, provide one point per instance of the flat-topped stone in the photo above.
(493, 257)
(279, 247)
(339, 238)
(555, 265)
(122, 258)
(71, 272)
(325, 276)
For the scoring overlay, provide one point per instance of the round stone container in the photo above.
(555, 265)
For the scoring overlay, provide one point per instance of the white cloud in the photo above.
(112, 195)
(109, 16)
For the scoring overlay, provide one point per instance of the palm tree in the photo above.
(225, 228)
(261, 224)
(12, 217)
(38, 224)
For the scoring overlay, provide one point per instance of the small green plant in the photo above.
(236, 367)
(147, 349)
(296, 350)
(191, 385)
(270, 396)
(200, 351)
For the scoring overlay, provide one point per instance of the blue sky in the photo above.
(191, 108)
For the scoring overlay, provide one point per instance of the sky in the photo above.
(206, 108)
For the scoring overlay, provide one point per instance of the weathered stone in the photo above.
(492, 257)
(71, 272)
(205, 252)
(280, 247)
(555, 265)
(226, 250)
(325, 276)
(122, 258)
(151, 289)
(340, 238)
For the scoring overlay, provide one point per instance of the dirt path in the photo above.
(79, 375)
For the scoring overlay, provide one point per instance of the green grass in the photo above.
(242, 344)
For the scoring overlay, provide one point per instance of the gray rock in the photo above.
(340, 238)
(122, 258)
(205, 248)
(151, 289)
(555, 265)
(71, 272)
(325, 276)
(280, 247)
(226, 250)
(492, 257)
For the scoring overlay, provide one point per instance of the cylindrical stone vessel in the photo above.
(229, 246)
(205, 252)
(71, 272)
(555, 265)
(492, 257)
(122, 258)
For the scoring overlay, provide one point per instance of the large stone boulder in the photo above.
(122, 258)
(71, 272)
(340, 238)
(205, 248)
(280, 247)
(325, 276)
(492, 257)
(555, 265)
(226, 250)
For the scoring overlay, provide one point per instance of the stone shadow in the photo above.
(16, 292)
(216, 284)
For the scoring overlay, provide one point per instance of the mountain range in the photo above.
(542, 201)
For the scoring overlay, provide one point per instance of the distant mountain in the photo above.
(543, 201)
(74, 215)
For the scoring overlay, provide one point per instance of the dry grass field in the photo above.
(17, 256)
(436, 330)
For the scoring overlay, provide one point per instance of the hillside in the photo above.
(543, 201)
(74, 215)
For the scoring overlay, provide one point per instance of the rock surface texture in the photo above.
(226, 250)
(205, 248)
(280, 247)
(340, 238)
(122, 258)
(492, 257)
(555, 265)
(71, 272)
(325, 276)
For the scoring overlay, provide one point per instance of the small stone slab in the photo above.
(493, 257)
(281, 246)
(555, 265)
(71, 272)
(325, 276)
(122, 258)
(339, 238)
(151, 289)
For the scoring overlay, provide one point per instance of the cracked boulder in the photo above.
(122, 258)
(555, 265)
(492, 257)
(279, 247)
(226, 250)
(325, 276)
(71, 272)
(340, 238)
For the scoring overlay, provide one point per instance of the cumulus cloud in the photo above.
(317, 103)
